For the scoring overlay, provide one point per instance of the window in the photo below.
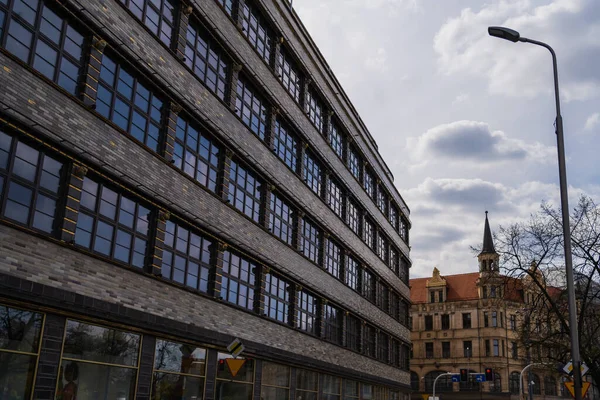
(549, 386)
(414, 381)
(281, 219)
(513, 322)
(369, 184)
(403, 271)
(353, 216)
(157, 15)
(383, 347)
(332, 324)
(445, 349)
(285, 145)
(368, 285)
(395, 353)
(501, 319)
(429, 322)
(352, 270)
(30, 184)
(404, 229)
(393, 216)
(112, 224)
(366, 392)
(98, 362)
(20, 333)
(404, 313)
(310, 240)
(466, 320)
(44, 40)
(333, 258)
(352, 333)
(383, 247)
(206, 59)
(493, 292)
(335, 198)
(336, 139)
(307, 384)
(514, 350)
(186, 257)
(496, 348)
(196, 154)
(432, 296)
(314, 109)
(441, 296)
(494, 319)
(332, 388)
(256, 30)
(277, 298)
(123, 99)
(444, 384)
(394, 262)
(383, 296)
(238, 387)
(238, 280)
(429, 350)
(484, 292)
(369, 341)
(350, 390)
(244, 191)
(289, 74)
(467, 348)
(445, 321)
(487, 347)
(536, 384)
(369, 234)
(275, 381)
(251, 108)
(227, 6)
(354, 163)
(513, 382)
(485, 319)
(308, 307)
(179, 370)
(394, 299)
(312, 173)
(382, 200)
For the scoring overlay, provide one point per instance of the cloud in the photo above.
(462, 45)
(592, 121)
(473, 141)
(461, 98)
(377, 62)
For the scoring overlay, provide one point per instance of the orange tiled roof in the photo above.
(459, 287)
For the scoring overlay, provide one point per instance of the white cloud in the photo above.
(461, 98)
(592, 121)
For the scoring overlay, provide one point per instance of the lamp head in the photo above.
(504, 33)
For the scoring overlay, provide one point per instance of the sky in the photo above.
(464, 120)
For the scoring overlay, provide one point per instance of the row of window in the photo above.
(102, 362)
(130, 103)
(492, 319)
(492, 347)
(258, 31)
(118, 226)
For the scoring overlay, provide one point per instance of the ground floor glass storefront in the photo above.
(98, 361)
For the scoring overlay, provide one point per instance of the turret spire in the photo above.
(488, 242)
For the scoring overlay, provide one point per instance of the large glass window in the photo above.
(244, 190)
(238, 281)
(275, 381)
(98, 362)
(44, 39)
(227, 5)
(289, 74)
(333, 258)
(351, 390)
(314, 109)
(444, 384)
(20, 338)
(179, 371)
(310, 240)
(403, 270)
(369, 183)
(186, 257)
(196, 154)
(383, 296)
(369, 233)
(277, 298)
(382, 200)
(157, 15)
(353, 216)
(383, 347)
(466, 320)
(30, 184)
(394, 216)
(312, 173)
(368, 285)
(382, 247)
(123, 99)
(369, 341)
(206, 59)
(255, 28)
(281, 219)
(394, 262)
(332, 387)
(354, 162)
(394, 299)
(307, 313)
(366, 391)
(307, 384)
(111, 224)
(251, 108)
(285, 145)
(352, 271)
(352, 333)
(336, 139)
(335, 198)
(513, 382)
(238, 387)
(332, 324)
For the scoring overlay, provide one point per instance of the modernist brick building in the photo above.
(175, 174)
(474, 321)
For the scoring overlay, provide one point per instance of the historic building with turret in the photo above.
(473, 321)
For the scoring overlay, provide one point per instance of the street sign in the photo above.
(479, 377)
(456, 378)
(235, 365)
(235, 348)
(571, 388)
(568, 368)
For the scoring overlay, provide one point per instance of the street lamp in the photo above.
(514, 36)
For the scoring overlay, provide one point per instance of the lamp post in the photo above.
(514, 36)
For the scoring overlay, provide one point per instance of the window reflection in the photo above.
(179, 371)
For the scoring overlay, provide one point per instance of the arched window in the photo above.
(444, 384)
(414, 381)
(471, 384)
(513, 382)
(550, 386)
(535, 383)
(496, 386)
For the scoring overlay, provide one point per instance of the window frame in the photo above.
(332, 330)
(248, 200)
(253, 20)
(282, 214)
(252, 284)
(307, 308)
(310, 240)
(275, 280)
(247, 96)
(289, 74)
(161, 16)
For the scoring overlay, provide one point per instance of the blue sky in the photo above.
(465, 121)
